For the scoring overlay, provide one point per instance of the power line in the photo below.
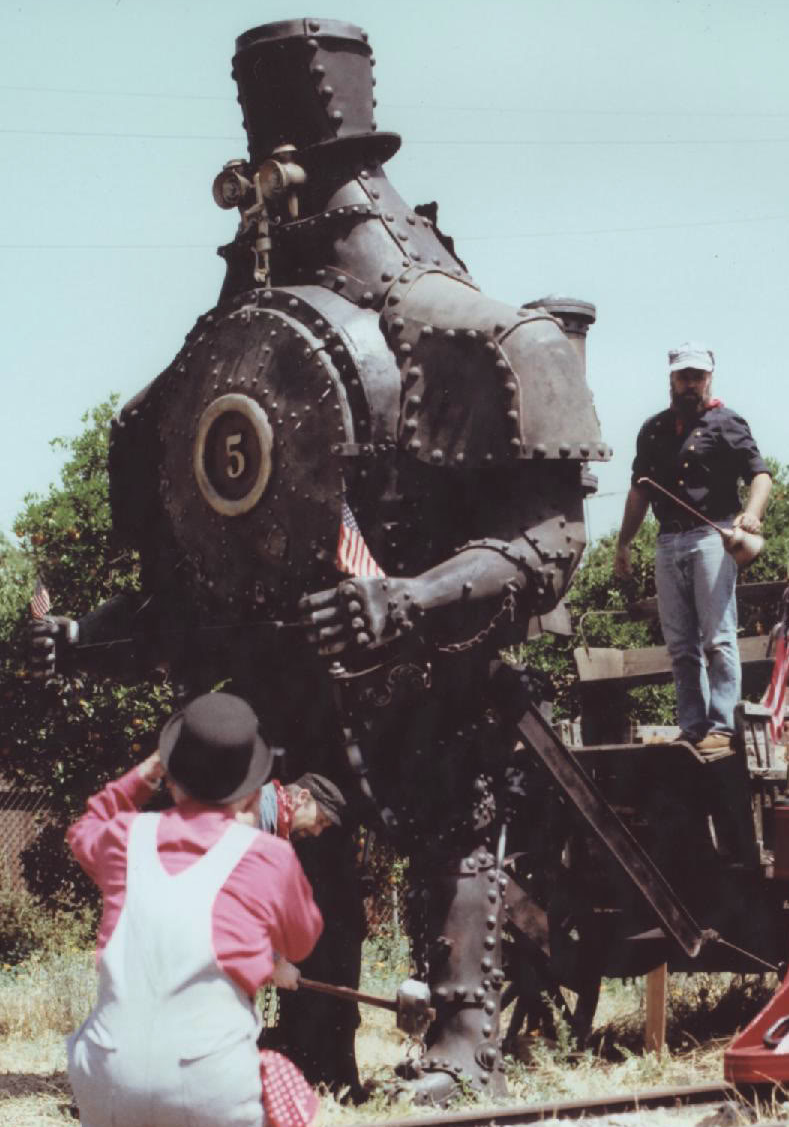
(552, 142)
(107, 246)
(115, 93)
(524, 111)
(123, 136)
(623, 230)
(504, 237)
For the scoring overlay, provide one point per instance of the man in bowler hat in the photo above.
(194, 905)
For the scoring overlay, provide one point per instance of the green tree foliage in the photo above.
(773, 562)
(16, 584)
(606, 612)
(65, 741)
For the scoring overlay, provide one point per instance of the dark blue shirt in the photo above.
(702, 465)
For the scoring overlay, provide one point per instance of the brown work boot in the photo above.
(714, 744)
(714, 741)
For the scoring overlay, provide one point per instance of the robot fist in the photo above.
(49, 639)
(359, 614)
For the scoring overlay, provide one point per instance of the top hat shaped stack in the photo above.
(309, 83)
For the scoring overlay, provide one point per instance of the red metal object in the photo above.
(758, 1054)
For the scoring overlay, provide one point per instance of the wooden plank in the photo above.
(648, 664)
(760, 593)
(599, 664)
(655, 1029)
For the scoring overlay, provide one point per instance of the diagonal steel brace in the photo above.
(540, 738)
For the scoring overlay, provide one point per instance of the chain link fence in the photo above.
(20, 813)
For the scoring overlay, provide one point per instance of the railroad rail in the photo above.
(646, 1099)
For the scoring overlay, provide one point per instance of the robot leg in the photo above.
(462, 913)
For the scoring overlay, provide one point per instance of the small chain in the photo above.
(507, 607)
(270, 1007)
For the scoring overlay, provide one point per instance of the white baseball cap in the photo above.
(691, 354)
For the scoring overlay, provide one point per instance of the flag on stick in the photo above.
(40, 603)
(775, 697)
(353, 555)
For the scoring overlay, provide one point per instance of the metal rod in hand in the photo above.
(743, 546)
(724, 532)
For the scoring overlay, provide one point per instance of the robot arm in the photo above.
(107, 641)
(487, 584)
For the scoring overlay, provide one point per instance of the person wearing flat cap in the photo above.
(295, 811)
(195, 902)
(302, 809)
(699, 451)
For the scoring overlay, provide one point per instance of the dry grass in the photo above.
(46, 995)
(46, 998)
(40, 1001)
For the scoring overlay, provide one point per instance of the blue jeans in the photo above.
(695, 580)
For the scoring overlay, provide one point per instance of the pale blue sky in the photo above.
(633, 153)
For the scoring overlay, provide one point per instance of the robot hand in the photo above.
(49, 639)
(360, 614)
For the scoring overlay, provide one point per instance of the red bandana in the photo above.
(284, 810)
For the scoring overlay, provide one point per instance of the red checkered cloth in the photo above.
(287, 1097)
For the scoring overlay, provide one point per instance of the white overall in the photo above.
(171, 1041)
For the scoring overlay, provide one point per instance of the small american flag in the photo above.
(775, 697)
(40, 603)
(353, 555)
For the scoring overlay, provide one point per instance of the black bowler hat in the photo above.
(213, 749)
(328, 796)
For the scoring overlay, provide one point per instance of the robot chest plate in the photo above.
(250, 484)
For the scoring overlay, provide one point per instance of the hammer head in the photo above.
(414, 1012)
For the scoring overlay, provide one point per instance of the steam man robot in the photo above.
(352, 369)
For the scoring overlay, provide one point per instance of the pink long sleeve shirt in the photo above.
(265, 905)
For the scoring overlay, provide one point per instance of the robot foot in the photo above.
(435, 1081)
(432, 1086)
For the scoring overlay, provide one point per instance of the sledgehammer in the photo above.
(412, 1004)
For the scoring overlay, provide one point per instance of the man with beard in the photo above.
(293, 812)
(302, 809)
(698, 450)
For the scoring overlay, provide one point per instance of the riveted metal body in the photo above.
(351, 361)
(465, 975)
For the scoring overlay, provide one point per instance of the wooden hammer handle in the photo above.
(349, 994)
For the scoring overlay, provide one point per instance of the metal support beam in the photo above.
(590, 804)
